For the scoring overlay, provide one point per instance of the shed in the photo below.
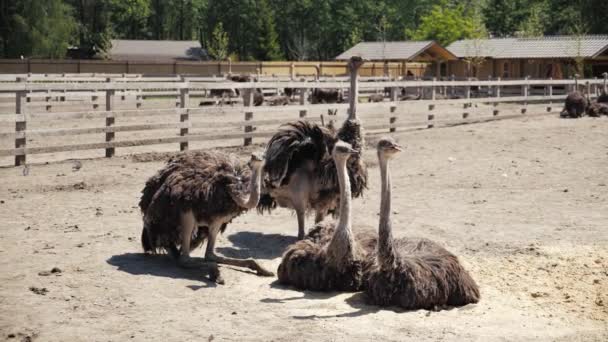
(541, 57)
(429, 54)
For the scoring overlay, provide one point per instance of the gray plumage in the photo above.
(300, 173)
(412, 273)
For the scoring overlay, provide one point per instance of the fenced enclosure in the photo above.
(45, 114)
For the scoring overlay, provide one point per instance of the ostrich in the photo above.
(603, 98)
(576, 103)
(300, 173)
(412, 273)
(330, 258)
(192, 199)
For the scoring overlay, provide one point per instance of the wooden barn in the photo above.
(417, 59)
(543, 57)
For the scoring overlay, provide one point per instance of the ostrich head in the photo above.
(388, 147)
(256, 161)
(343, 150)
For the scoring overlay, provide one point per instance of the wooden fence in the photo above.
(175, 110)
(160, 68)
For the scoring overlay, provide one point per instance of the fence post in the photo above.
(109, 117)
(433, 90)
(353, 95)
(184, 99)
(524, 89)
(452, 90)
(465, 114)
(20, 124)
(248, 102)
(303, 112)
(496, 111)
(393, 118)
(549, 108)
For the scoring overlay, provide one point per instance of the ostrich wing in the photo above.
(205, 182)
(293, 146)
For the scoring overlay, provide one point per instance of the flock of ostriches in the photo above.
(307, 167)
(579, 104)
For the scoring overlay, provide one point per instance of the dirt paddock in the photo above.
(523, 203)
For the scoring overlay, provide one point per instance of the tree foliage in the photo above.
(275, 29)
(36, 28)
(218, 44)
(447, 23)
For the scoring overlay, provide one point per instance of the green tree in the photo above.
(93, 26)
(447, 23)
(267, 47)
(218, 45)
(534, 24)
(129, 18)
(34, 28)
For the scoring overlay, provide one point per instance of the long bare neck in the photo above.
(386, 250)
(341, 247)
(254, 190)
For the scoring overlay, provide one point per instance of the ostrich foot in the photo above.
(211, 268)
(247, 263)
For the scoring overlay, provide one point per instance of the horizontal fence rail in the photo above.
(180, 110)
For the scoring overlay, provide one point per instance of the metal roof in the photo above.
(382, 51)
(542, 47)
(156, 50)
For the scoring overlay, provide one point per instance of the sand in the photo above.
(523, 203)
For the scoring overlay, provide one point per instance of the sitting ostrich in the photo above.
(412, 273)
(192, 199)
(330, 257)
(300, 173)
(576, 103)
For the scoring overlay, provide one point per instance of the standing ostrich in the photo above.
(300, 172)
(412, 273)
(576, 103)
(330, 258)
(192, 199)
(603, 98)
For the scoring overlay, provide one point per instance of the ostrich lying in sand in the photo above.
(300, 173)
(192, 199)
(330, 258)
(576, 103)
(412, 273)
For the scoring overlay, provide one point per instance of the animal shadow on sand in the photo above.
(160, 266)
(256, 245)
(356, 301)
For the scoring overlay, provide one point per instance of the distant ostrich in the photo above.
(192, 199)
(330, 258)
(603, 98)
(412, 273)
(576, 103)
(300, 173)
(375, 98)
(258, 95)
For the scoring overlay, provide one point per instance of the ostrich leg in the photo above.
(187, 226)
(320, 215)
(210, 255)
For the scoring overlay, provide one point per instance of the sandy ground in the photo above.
(524, 203)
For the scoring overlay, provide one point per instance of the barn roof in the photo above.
(158, 50)
(589, 46)
(398, 51)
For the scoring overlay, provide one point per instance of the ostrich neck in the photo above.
(254, 190)
(386, 253)
(341, 246)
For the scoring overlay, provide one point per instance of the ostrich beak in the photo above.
(353, 152)
(398, 148)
